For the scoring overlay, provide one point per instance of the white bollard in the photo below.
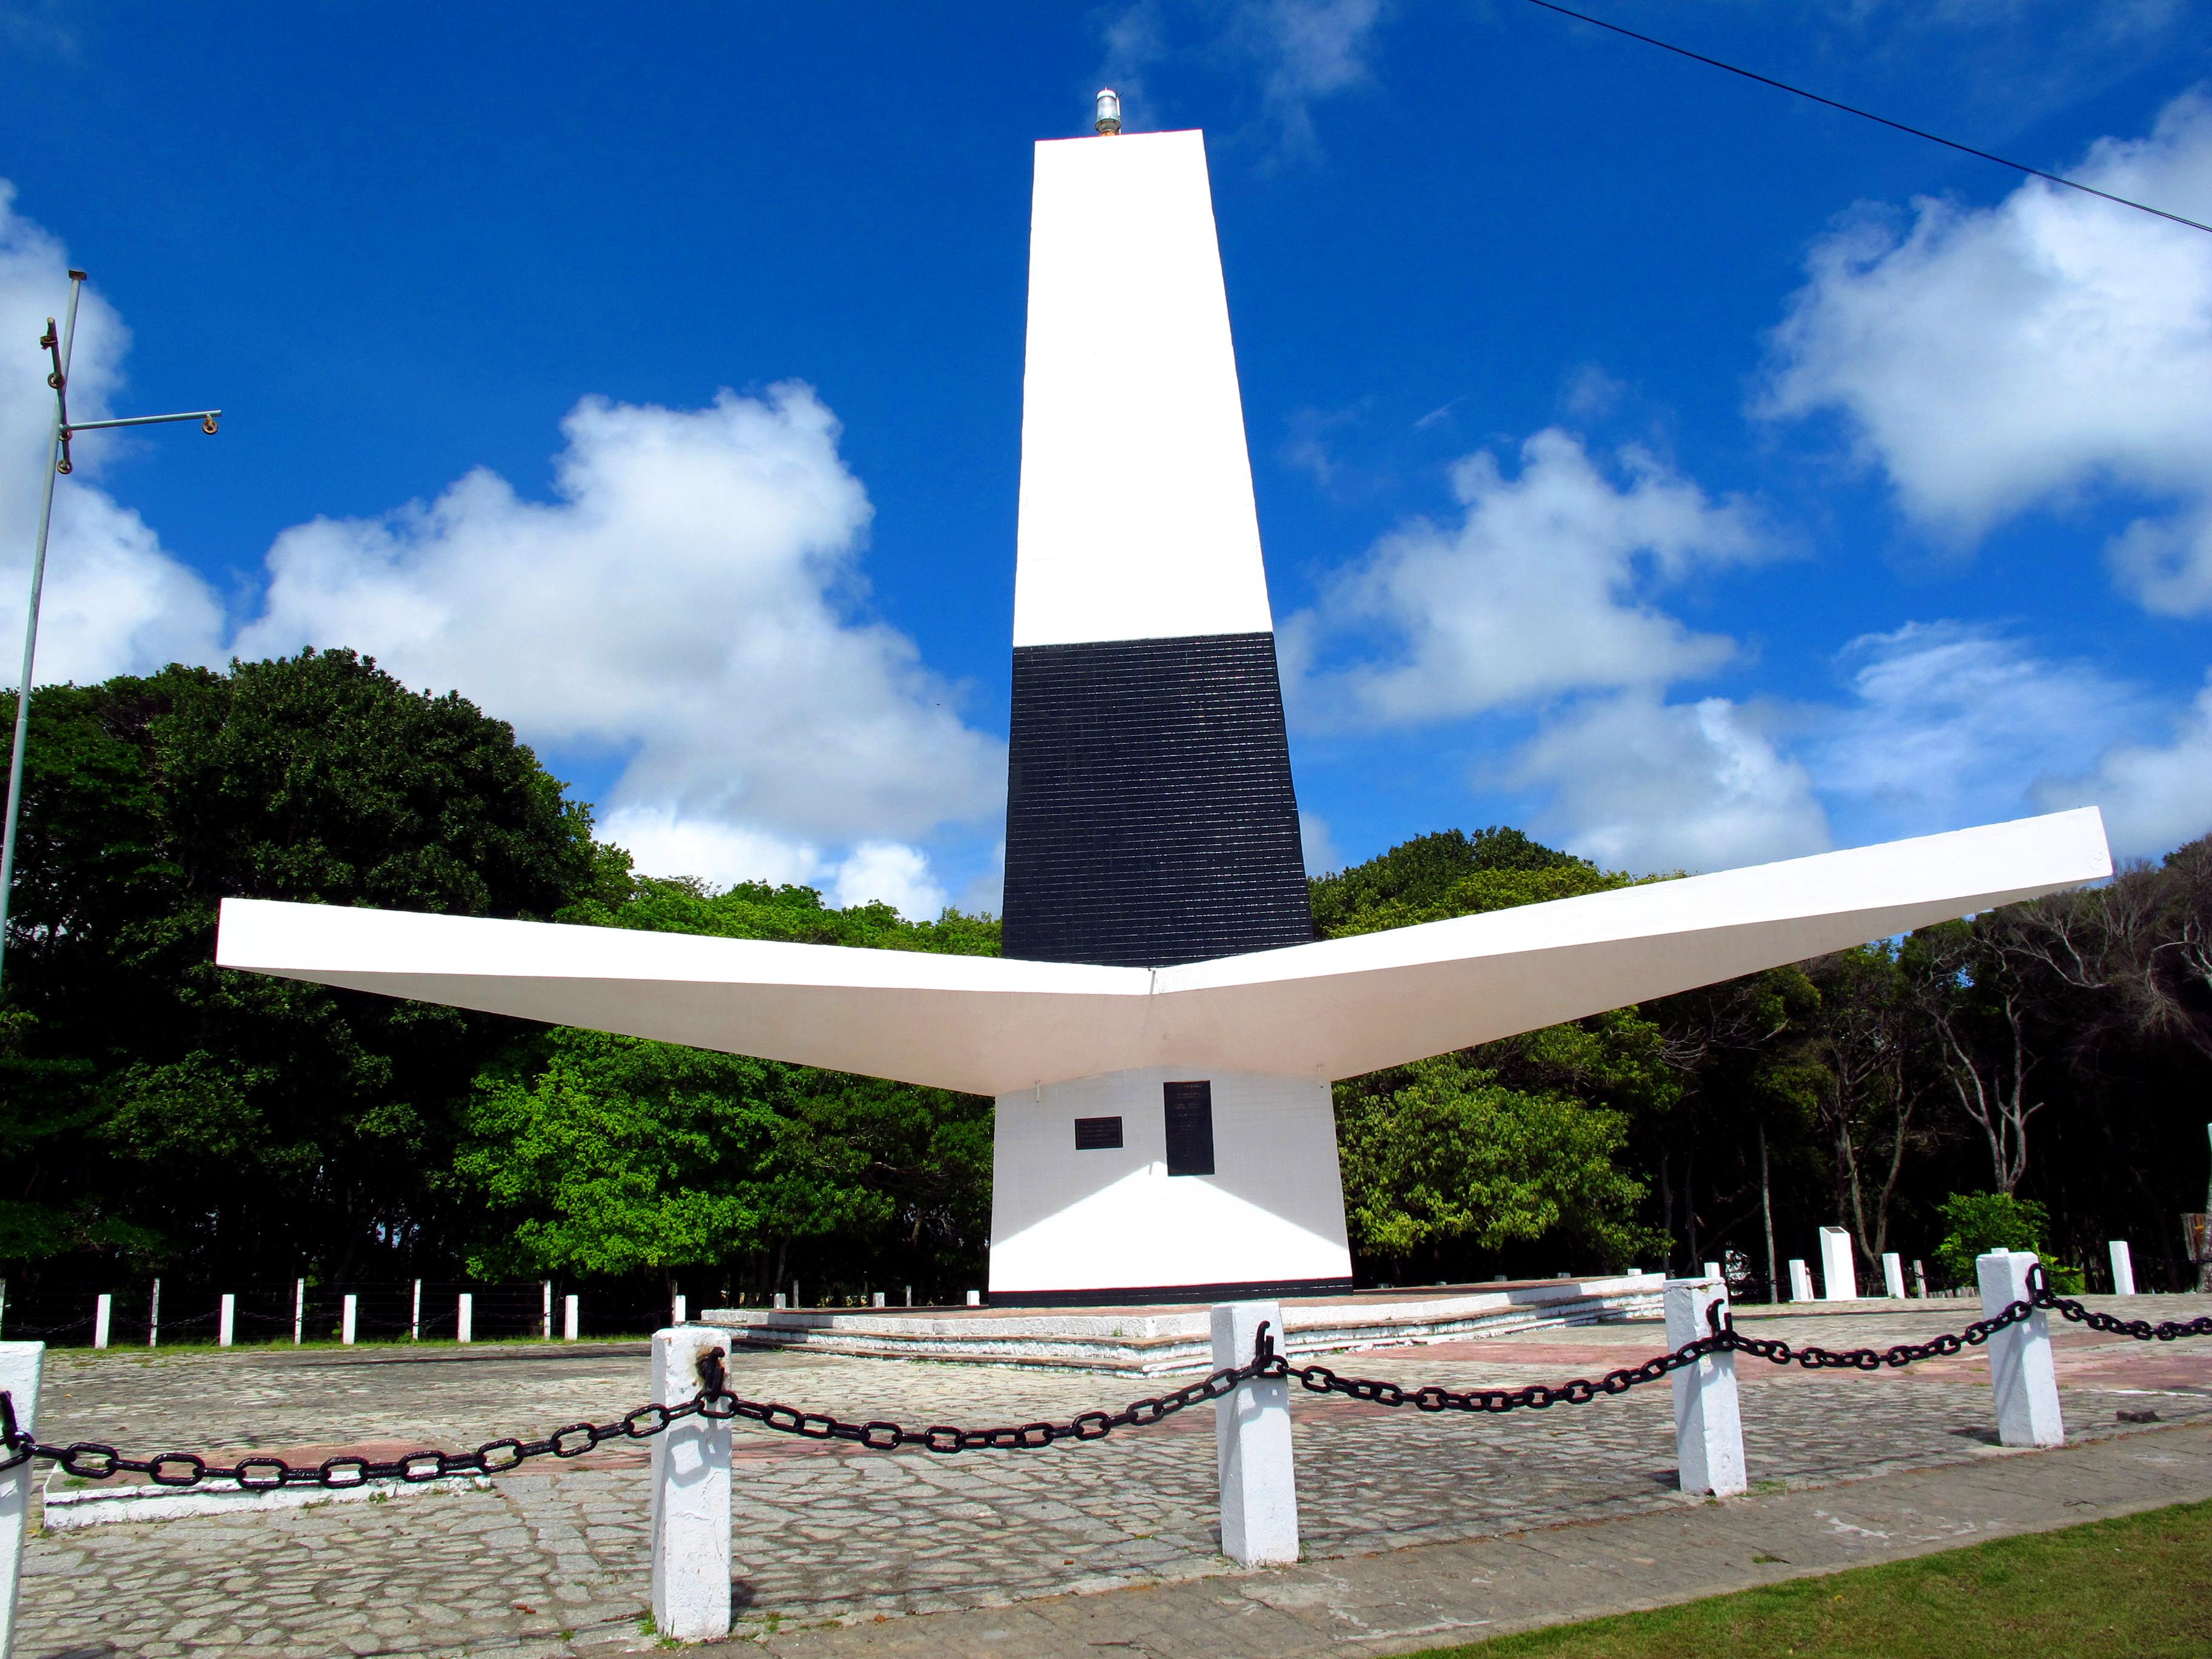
(349, 1315)
(1712, 1270)
(154, 1317)
(226, 1322)
(2020, 1373)
(1801, 1280)
(690, 1495)
(1892, 1276)
(415, 1314)
(1708, 1426)
(1839, 1279)
(2123, 1268)
(680, 1312)
(1919, 1279)
(464, 1317)
(299, 1310)
(1252, 1439)
(21, 1363)
(571, 1321)
(975, 1298)
(103, 1315)
(909, 1296)
(877, 1300)
(779, 1298)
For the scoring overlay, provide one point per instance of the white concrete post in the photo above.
(1892, 1276)
(779, 1298)
(1801, 1281)
(546, 1317)
(347, 1317)
(103, 1315)
(878, 1299)
(299, 1310)
(154, 1317)
(1252, 1442)
(680, 1312)
(1839, 1279)
(975, 1298)
(2123, 1268)
(571, 1321)
(1708, 1426)
(21, 1363)
(909, 1295)
(226, 1322)
(415, 1316)
(1712, 1270)
(690, 1495)
(2020, 1373)
(464, 1317)
(1919, 1279)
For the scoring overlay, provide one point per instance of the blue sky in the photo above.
(1688, 473)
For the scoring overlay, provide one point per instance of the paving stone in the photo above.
(829, 1533)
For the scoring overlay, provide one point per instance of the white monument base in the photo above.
(1094, 1201)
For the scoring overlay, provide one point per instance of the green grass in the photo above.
(2141, 1585)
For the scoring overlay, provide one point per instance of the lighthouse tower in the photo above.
(1151, 819)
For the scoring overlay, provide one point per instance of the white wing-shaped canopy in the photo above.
(1332, 1009)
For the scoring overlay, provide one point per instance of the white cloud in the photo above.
(1950, 725)
(894, 874)
(1298, 51)
(115, 602)
(688, 599)
(660, 844)
(1638, 784)
(1540, 588)
(2154, 797)
(1318, 846)
(1995, 360)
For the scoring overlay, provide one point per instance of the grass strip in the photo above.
(2139, 1586)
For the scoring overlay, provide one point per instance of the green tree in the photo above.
(1441, 1154)
(1975, 1223)
(593, 1155)
(164, 1109)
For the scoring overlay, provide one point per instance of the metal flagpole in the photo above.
(57, 461)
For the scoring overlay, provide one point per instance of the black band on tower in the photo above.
(1149, 817)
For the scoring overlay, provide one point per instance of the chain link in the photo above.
(92, 1460)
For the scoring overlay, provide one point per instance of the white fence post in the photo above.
(103, 1315)
(876, 1298)
(975, 1298)
(464, 1317)
(154, 1317)
(1892, 1276)
(1801, 1280)
(1839, 1279)
(2020, 1373)
(569, 1320)
(21, 1363)
(1919, 1279)
(226, 1322)
(1252, 1441)
(679, 1311)
(545, 1316)
(347, 1320)
(690, 1495)
(2123, 1268)
(415, 1316)
(1708, 1426)
(779, 1298)
(299, 1310)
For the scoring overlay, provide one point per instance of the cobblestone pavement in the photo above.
(552, 1560)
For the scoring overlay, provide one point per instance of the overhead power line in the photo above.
(1868, 115)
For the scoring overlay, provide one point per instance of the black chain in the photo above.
(92, 1460)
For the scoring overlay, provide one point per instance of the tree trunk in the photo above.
(1766, 1211)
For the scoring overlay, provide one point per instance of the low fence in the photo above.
(692, 1409)
(156, 1314)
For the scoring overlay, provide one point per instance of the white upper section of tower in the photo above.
(1137, 519)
